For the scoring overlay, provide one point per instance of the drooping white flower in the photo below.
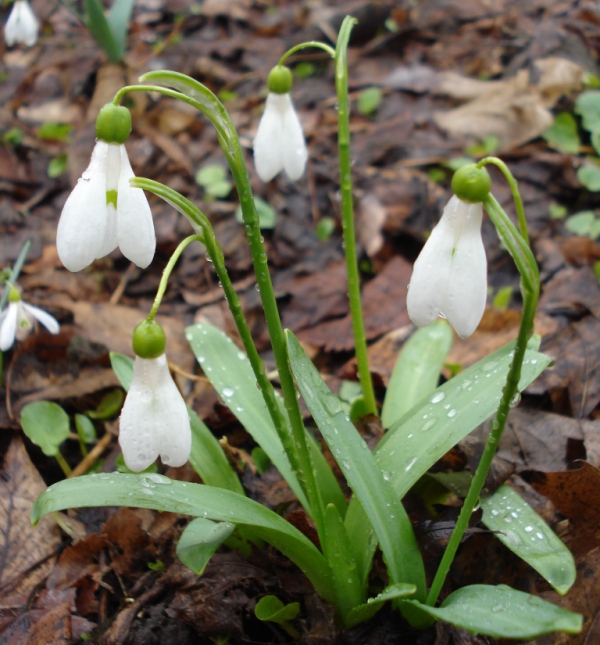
(279, 143)
(154, 420)
(22, 26)
(104, 212)
(18, 319)
(450, 275)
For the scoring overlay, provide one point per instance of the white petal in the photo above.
(22, 26)
(295, 153)
(430, 276)
(49, 322)
(268, 150)
(467, 288)
(25, 322)
(136, 428)
(9, 326)
(173, 429)
(135, 228)
(154, 419)
(82, 225)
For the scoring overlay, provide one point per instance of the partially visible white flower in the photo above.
(18, 320)
(450, 275)
(154, 420)
(22, 26)
(104, 212)
(279, 143)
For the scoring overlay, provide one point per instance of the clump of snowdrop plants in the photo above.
(22, 27)
(449, 280)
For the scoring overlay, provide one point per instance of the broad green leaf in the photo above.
(272, 609)
(433, 426)
(85, 428)
(325, 228)
(502, 298)
(209, 460)
(417, 370)
(118, 21)
(363, 612)
(46, 424)
(368, 483)
(214, 180)
(57, 166)
(369, 100)
(563, 134)
(230, 373)
(526, 534)
(500, 612)
(123, 368)
(164, 494)
(109, 405)
(200, 539)
(587, 106)
(54, 131)
(101, 30)
(584, 223)
(589, 176)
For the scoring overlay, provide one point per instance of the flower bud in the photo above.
(279, 80)
(149, 339)
(471, 184)
(113, 124)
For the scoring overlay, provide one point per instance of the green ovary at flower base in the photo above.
(104, 211)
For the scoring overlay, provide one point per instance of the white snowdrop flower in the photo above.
(104, 211)
(154, 420)
(450, 275)
(22, 26)
(18, 320)
(279, 143)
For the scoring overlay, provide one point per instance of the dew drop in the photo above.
(410, 464)
(451, 413)
(228, 392)
(387, 475)
(440, 396)
(428, 425)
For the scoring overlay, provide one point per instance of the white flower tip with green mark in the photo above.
(18, 320)
(22, 26)
(450, 275)
(279, 143)
(154, 420)
(91, 226)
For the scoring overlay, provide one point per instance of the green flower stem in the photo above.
(313, 43)
(203, 227)
(14, 274)
(530, 289)
(164, 281)
(514, 189)
(358, 327)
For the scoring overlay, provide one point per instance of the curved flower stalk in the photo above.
(450, 275)
(279, 143)
(22, 26)
(154, 420)
(19, 318)
(104, 211)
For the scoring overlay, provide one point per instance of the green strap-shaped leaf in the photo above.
(229, 371)
(500, 612)
(526, 534)
(431, 428)
(200, 539)
(363, 612)
(381, 505)
(417, 370)
(164, 494)
(118, 21)
(101, 30)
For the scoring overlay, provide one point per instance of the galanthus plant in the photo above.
(422, 421)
